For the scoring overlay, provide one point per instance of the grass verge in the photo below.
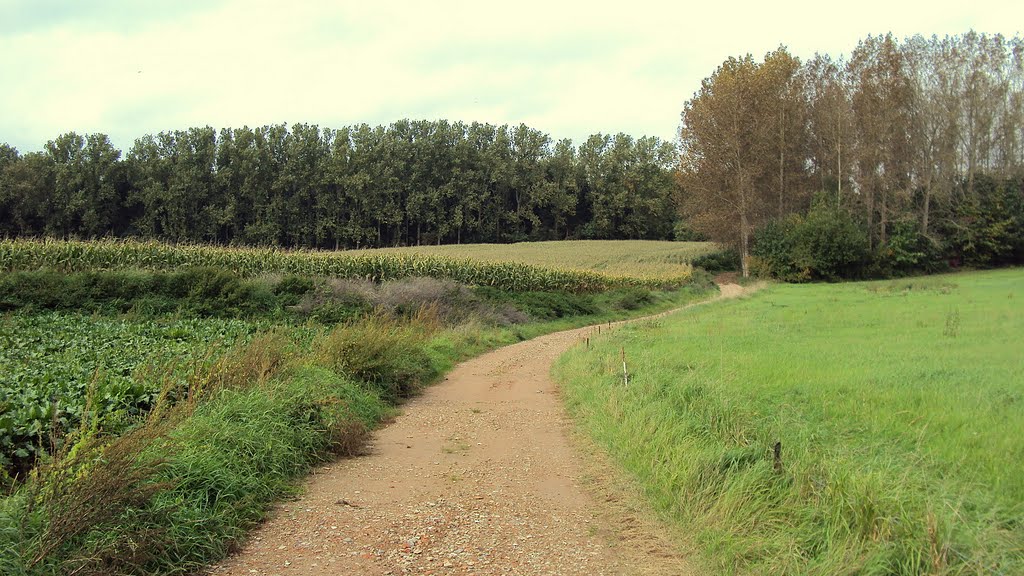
(868, 428)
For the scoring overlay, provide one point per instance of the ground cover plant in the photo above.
(54, 361)
(864, 428)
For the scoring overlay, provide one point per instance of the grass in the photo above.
(896, 407)
(185, 484)
(642, 258)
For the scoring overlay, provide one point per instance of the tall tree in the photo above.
(726, 144)
(787, 113)
(830, 119)
(882, 103)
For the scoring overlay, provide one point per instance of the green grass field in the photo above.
(645, 258)
(898, 406)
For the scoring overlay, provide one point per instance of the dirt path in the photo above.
(479, 475)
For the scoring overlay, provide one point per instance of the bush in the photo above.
(452, 301)
(291, 288)
(631, 298)
(985, 226)
(207, 292)
(907, 251)
(542, 305)
(774, 250)
(722, 261)
(389, 357)
(831, 245)
(826, 245)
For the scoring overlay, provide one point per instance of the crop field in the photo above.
(285, 357)
(863, 428)
(54, 363)
(642, 258)
(88, 318)
(663, 269)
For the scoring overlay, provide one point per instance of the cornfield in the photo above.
(79, 256)
(634, 258)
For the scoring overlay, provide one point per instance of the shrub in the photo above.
(985, 226)
(828, 244)
(292, 287)
(631, 298)
(831, 245)
(543, 305)
(208, 292)
(907, 250)
(726, 260)
(389, 357)
(775, 250)
(452, 301)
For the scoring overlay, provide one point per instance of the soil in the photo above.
(481, 474)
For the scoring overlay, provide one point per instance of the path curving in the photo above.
(482, 475)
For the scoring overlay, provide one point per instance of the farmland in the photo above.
(895, 407)
(644, 258)
(55, 363)
(186, 387)
(515, 275)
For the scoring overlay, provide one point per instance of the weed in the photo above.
(952, 328)
(366, 351)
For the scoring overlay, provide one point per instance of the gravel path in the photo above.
(481, 474)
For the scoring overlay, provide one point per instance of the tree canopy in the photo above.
(411, 182)
(920, 138)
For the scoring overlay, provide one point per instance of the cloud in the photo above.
(34, 16)
(571, 69)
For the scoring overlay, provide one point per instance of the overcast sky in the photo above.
(128, 68)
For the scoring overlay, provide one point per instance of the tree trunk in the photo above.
(839, 174)
(782, 162)
(744, 245)
(870, 203)
(927, 205)
(884, 220)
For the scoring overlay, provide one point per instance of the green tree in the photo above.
(725, 149)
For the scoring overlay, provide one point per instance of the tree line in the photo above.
(412, 182)
(908, 154)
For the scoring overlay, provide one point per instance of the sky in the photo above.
(127, 68)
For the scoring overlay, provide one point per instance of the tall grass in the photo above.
(197, 473)
(895, 406)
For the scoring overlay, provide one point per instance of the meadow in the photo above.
(862, 428)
